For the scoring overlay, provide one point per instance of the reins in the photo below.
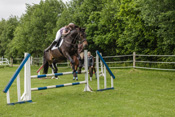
(74, 40)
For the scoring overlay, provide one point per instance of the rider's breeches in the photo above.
(58, 36)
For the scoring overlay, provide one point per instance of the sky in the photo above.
(15, 7)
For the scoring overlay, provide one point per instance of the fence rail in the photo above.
(134, 62)
(122, 61)
(36, 61)
(156, 55)
(4, 61)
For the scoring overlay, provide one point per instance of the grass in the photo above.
(138, 93)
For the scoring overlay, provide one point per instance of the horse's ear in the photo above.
(76, 26)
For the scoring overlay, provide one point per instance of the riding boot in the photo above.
(52, 44)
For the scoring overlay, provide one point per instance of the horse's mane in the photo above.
(72, 33)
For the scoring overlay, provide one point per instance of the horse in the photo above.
(68, 50)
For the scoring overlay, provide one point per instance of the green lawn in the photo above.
(137, 93)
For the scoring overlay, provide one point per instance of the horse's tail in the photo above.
(45, 63)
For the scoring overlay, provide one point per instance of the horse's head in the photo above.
(82, 37)
(77, 35)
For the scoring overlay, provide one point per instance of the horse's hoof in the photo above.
(73, 78)
(77, 78)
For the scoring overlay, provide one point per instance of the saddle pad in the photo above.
(56, 47)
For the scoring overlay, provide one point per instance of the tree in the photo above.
(159, 17)
(35, 31)
(7, 34)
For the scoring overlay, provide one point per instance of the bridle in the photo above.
(75, 39)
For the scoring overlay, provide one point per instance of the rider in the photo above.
(61, 32)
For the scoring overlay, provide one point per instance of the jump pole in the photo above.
(53, 74)
(58, 86)
(38, 71)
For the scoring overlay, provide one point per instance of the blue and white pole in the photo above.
(58, 86)
(55, 74)
(103, 63)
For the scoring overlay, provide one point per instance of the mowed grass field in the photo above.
(138, 93)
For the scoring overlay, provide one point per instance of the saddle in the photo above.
(58, 44)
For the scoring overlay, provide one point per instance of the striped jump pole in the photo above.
(55, 74)
(103, 63)
(58, 86)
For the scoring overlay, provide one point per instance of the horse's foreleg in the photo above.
(74, 67)
(75, 72)
(69, 58)
(73, 64)
(80, 65)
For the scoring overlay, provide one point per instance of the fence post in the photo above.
(31, 60)
(11, 61)
(134, 59)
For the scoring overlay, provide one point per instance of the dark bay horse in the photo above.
(68, 50)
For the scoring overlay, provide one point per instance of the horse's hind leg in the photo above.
(51, 66)
(55, 69)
